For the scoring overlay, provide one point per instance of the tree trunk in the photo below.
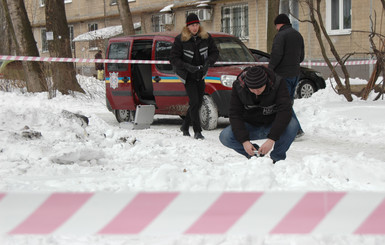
(6, 37)
(63, 73)
(25, 44)
(273, 11)
(126, 17)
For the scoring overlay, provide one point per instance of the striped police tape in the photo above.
(79, 60)
(176, 213)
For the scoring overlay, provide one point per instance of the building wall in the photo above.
(80, 13)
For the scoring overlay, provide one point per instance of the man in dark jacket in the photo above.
(193, 52)
(99, 67)
(287, 54)
(260, 108)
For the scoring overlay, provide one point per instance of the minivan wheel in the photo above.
(124, 115)
(208, 113)
(305, 89)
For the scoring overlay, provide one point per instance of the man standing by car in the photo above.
(260, 108)
(287, 54)
(99, 66)
(192, 53)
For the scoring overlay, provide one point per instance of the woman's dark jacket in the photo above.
(287, 52)
(273, 106)
(198, 51)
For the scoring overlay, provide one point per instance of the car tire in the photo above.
(208, 113)
(305, 89)
(124, 115)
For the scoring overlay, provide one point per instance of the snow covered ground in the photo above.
(343, 150)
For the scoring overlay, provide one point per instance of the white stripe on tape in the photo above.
(14, 208)
(265, 214)
(349, 213)
(181, 214)
(100, 209)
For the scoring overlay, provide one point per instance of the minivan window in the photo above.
(118, 51)
(232, 50)
(141, 50)
(162, 52)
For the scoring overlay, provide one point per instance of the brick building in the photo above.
(345, 20)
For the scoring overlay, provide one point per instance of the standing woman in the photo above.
(193, 52)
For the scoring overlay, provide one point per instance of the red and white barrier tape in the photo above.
(175, 213)
(79, 60)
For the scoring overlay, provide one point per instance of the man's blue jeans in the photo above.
(281, 146)
(291, 83)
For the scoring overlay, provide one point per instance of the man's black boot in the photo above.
(185, 131)
(199, 136)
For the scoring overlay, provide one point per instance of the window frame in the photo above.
(44, 41)
(341, 30)
(291, 9)
(228, 19)
(160, 25)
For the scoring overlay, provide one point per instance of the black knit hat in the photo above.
(282, 19)
(192, 19)
(255, 77)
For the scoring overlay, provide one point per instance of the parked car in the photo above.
(129, 85)
(310, 81)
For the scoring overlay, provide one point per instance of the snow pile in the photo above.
(44, 148)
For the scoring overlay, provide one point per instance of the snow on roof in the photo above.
(167, 8)
(103, 33)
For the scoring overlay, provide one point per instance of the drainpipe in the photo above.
(104, 9)
(371, 28)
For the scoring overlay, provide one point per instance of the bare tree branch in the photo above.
(319, 28)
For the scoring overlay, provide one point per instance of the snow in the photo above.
(342, 150)
(104, 33)
(168, 8)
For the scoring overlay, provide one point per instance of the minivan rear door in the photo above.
(118, 79)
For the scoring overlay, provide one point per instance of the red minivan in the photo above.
(133, 84)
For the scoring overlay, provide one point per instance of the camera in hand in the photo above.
(256, 150)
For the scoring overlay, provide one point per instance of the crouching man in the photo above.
(260, 108)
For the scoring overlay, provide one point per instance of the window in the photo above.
(71, 30)
(231, 49)
(93, 43)
(235, 20)
(162, 52)
(118, 51)
(339, 16)
(160, 21)
(156, 23)
(44, 42)
(290, 7)
(204, 14)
